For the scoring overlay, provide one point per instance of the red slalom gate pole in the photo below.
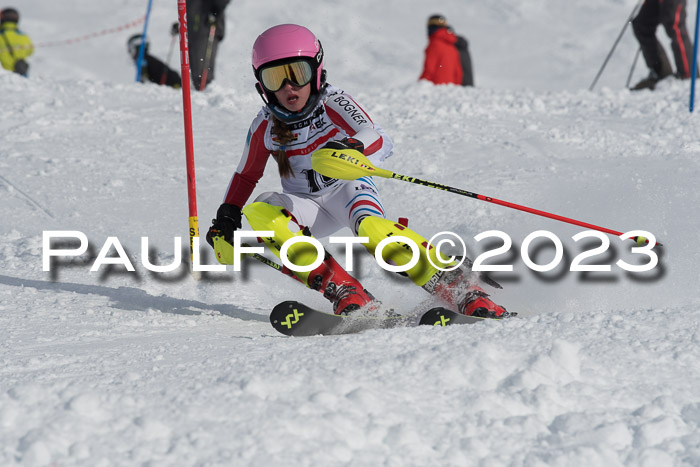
(187, 114)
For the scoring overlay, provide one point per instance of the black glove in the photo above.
(228, 220)
(346, 143)
(175, 29)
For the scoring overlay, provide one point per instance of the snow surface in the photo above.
(120, 368)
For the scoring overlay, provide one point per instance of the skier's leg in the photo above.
(353, 201)
(644, 26)
(401, 253)
(344, 291)
(210, 59)
(358, 205)
(197, 45)
(673, 14)
(460, 287)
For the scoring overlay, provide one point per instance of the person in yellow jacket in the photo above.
(15, 46)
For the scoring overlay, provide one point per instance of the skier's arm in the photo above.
(228, 220)
(28, 47)
(252, 165)
(429, 66)
(347, 115)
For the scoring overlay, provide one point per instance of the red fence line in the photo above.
(93, 35)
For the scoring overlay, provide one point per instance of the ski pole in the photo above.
(695, 59)
(634, 64)
(269, 262)
(164, 76)
(351, 166)
(142, 47)
(629, 20)
(266, 261)
(207, 55)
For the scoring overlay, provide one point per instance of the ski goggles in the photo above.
(298, 73)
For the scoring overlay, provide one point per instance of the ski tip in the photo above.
(440, 316)
(437, 316)
(292, 318)
(285, 316)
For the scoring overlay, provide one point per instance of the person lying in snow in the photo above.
(303, 113)
(152, 69)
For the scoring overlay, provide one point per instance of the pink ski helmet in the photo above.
(283, 44)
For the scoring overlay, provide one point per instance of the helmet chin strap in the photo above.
(285, 115)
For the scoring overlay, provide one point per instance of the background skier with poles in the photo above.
(205, 29)
(301, 114)
(617, 41)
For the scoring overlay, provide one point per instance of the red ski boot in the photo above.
(343, 290)
(477, 303)
(460, 289)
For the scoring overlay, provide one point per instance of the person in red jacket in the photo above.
(447, 58)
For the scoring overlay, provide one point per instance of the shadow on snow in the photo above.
(130, 298)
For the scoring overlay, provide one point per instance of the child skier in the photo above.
(303, 113)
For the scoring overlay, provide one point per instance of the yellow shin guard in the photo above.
(223, 250)
(399, 253)
(263, 216)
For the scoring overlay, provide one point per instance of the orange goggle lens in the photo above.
(298, 73)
